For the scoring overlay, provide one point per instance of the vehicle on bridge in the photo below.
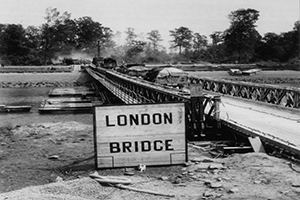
(108, 63)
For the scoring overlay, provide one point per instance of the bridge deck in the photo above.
(269, 122)
(274, 125)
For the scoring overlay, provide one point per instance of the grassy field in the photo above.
(284, 78)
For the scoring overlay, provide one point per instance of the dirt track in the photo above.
(25, 152)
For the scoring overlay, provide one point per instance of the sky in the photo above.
(202, 16)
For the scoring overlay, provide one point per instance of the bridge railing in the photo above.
(133, 91)
(278, 95)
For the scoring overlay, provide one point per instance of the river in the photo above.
(33, 97)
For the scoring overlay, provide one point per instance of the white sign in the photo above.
(129, 135)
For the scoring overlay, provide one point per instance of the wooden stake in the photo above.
(143, 190)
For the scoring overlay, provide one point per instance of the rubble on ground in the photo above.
(204, 176)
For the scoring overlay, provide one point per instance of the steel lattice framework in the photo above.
(133, 90)
(278, 95)
(136, 91)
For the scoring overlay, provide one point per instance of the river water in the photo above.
(33, 97)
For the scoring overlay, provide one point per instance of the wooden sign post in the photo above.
(150, 134)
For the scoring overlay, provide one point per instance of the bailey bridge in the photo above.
(269, 112)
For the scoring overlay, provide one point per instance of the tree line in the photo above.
(240, 43)
(61, 35)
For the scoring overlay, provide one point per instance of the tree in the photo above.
(53, 16)
(131, 36)
(134, 47)
(154, 37)
(297, 37)
(269, 47)
(13, 44)
(90, 32)
(217, 37)
(56, 33)
(182, 38)
(199, 42)
(134, 50)
(33, 43)
(241, 38)
(13, 40)
(282, 47)
(33, 36)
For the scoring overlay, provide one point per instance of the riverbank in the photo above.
(27, 80)
(36, 69)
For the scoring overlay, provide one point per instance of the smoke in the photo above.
(78, 55)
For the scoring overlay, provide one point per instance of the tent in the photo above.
(138, 70)
(170, 71)
(167, 76)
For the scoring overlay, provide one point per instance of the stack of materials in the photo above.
(69, 100)
(14, 109)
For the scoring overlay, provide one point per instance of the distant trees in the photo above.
(55, 33)
(134, 47)
(182, 38)
(241, 37)
(90, 32)
(60, 35)
(154, 52)
(217, 37)
(240, 43)
(155, 38)
(13, 40)
(280, 47)
(13, 43)
(131, 36)
(199, 42)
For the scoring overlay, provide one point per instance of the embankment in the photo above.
(18, 80)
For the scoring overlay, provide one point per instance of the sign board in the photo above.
(129, 135)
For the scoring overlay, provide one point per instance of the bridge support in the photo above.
(217, 101)
(199, 106)
(197, 112)
(197, 117)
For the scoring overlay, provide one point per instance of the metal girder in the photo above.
(278, 95)
(135, 91)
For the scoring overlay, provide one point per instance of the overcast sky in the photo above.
(203, 16)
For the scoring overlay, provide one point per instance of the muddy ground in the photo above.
(61, 153)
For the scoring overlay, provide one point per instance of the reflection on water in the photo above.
(33, 97)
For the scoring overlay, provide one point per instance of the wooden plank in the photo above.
(73, 91)
(66, 107)
(256, 144)
(68, 100)
(151, 134)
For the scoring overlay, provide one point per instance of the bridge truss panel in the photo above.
(278, 95)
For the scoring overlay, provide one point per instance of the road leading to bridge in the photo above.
(274, 125)
(269, 122)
